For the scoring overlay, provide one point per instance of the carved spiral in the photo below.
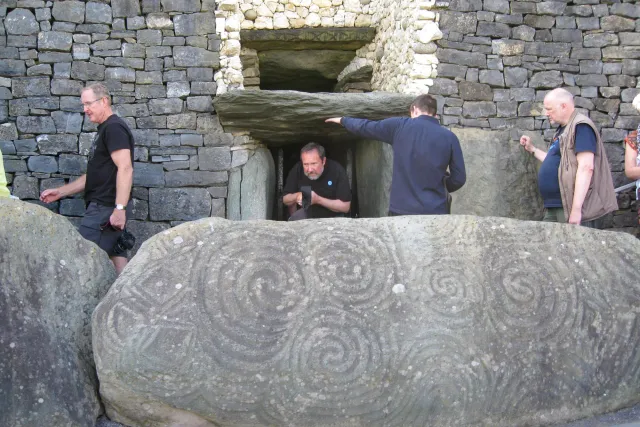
(335, 363)
(355, 267)
(531, 299)
(439, 375)
(252, 286)
(452, 289)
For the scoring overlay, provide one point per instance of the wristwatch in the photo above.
(120, 207)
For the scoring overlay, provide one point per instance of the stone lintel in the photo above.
(307, 38)
(284, 117)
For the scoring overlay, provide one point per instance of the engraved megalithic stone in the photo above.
(406, 321)
(51, 279)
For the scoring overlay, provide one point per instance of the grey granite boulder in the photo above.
(21, 22)
(501, 176)
(52, 279)
(438, 321)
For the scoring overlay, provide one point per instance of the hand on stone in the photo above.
(51, 195)
(525, 141)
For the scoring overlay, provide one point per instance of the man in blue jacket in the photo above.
(427, 158)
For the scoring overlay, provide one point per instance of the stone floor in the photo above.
(629, 417)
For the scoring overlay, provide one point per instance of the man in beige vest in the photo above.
(574, 178)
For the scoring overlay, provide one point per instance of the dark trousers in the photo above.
(557, 215)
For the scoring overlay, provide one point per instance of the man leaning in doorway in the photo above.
(427, 158)
(107, 183)
(326, 182)
(574, 178)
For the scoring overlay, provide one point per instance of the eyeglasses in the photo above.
(88, 104)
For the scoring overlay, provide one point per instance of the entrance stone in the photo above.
(436, 320)
(52, 279)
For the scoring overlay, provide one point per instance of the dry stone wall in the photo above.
(498, 59)
(488, 62)
(158, 59)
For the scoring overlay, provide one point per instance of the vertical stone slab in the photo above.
(501, 177)
(257, 189)
(374, 168)
(233, 195)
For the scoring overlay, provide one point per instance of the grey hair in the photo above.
(636, 102)
(561, 95)
(99, 90)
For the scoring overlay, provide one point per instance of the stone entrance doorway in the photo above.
(284, 120)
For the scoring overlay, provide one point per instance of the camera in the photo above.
(125, 242)
(306, 196)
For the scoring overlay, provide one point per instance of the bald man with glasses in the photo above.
(107, 183)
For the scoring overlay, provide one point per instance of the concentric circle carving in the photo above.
(355, 267)
(334, 358)
(530, 298)
(252, 287)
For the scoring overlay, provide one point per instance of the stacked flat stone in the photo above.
(403, 61)
(499, 58)
(158, 60)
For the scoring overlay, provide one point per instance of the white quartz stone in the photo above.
(263, 11)
(426, 15)
(322, 3)
(363, 21)
(280, 21)
(272, 5)
(349, 19)
(229, 5)
(429, 32)
(352, 6)
(312, 20)
(327, 22)
(230, 48)
(263, 23)
(326, 13)
(232, 23)
(297, 23)
(246, 25)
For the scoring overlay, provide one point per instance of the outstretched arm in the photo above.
(381, 130)
(53, 194)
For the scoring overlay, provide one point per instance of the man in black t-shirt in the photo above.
(330, 194)
(107, 183)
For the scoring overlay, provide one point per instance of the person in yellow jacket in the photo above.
(4, 192)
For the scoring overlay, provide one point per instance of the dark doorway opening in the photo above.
(286, 157)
